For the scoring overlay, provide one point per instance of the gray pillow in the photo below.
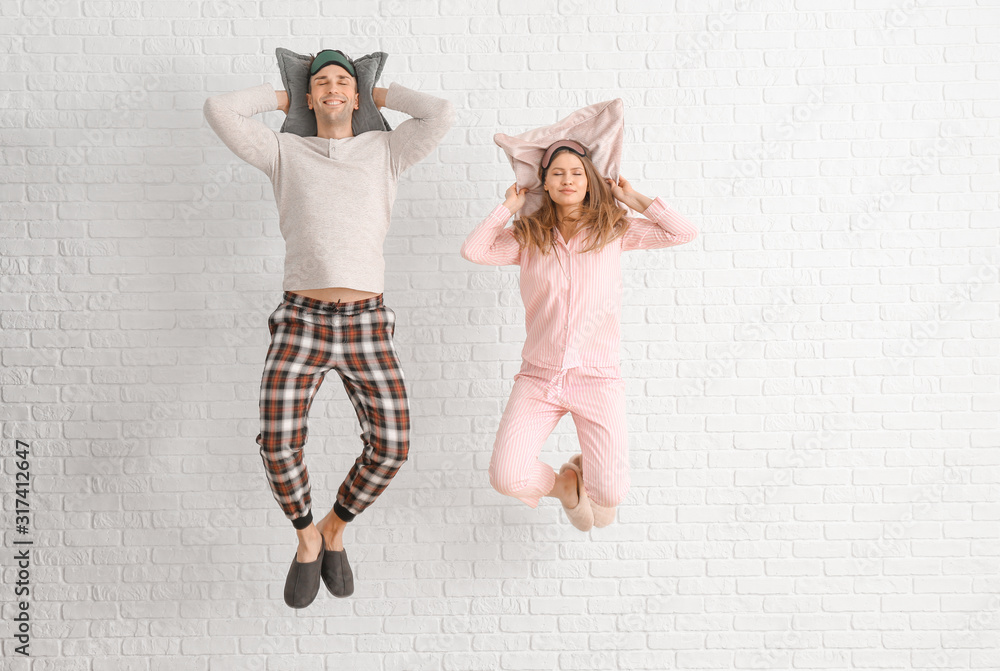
(301, 120)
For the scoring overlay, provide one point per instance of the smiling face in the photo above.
(566, 180)
(333, 95)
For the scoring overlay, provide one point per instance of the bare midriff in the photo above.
(335, 294)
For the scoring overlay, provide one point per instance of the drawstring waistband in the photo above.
(351, 308)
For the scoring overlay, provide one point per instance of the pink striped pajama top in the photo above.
(572, 301)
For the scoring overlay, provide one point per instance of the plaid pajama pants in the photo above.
(309, 338)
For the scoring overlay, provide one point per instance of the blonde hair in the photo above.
(599, 212)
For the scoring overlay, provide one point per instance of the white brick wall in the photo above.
(813, 384)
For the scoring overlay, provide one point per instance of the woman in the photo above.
(569, 251)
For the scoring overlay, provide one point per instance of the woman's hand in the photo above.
(515, 198)
(628, 196)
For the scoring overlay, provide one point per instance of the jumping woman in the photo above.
(569, 251)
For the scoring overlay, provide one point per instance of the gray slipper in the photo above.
(302, 581)
(337, 575)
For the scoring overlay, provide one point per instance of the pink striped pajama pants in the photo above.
(596, 399)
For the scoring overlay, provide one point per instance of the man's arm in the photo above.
(231, 117)
(415, 138)
(283, 101)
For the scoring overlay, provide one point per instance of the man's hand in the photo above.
(283, 102)
(378, 95)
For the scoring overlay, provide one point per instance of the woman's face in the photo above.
(566, 180)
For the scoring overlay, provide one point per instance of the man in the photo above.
(334, 194)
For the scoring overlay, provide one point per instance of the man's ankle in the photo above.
(310, 543)
(308, 535)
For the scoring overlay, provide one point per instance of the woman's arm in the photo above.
(491, 244)
(662, 226)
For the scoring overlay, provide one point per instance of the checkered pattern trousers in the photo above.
(309, 338)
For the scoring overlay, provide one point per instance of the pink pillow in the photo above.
(599, 127)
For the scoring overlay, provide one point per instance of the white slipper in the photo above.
(603, 516)
(582, 517)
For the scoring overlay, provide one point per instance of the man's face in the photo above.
(333, 94)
